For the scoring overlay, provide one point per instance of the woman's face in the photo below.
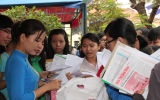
(89, 48)
(58, 43)
(110, 43)
(32, 45)
(103, 42)
(5, 36)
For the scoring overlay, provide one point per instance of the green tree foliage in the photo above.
(139, 5)
(20, 13)
(101, 12)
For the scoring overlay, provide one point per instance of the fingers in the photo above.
(141, 91)
(86, 76)
(50, 74)
(69, 76)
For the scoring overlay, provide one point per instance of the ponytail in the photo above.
(15, 32)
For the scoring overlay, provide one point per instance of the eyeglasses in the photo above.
(103, 40)
(108, 43)
(8, 31)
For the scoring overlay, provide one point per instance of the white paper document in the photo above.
(128, 69)
(62, 76)
(74, 62)
(134, 75)
(156, 54)
(103, 56)
(58, 63)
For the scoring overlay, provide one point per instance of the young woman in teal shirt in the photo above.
(22, 80)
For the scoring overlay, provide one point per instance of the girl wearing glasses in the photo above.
(120, 29)
(102, 37)
(5, 29)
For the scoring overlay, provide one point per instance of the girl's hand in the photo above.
(47, 74)
(140, 92)
(69, 76)
(86, 76)
(53, 85)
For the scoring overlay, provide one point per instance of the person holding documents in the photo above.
(57, 43)
(120, 29)
(90, 45)
(21, 79)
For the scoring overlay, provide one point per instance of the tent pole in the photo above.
(84, 19)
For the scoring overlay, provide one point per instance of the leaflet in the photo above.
(128, 69)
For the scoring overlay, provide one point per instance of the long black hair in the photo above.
(27, 27)
(42, 55)
(50, 51)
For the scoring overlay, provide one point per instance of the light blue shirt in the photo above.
(4, 56)
(21, 78)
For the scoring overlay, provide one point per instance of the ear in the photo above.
(120, 39)
(99, 46)
(22, 37)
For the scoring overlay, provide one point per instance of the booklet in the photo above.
(128, 69)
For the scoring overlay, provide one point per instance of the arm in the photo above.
(53, 85)
(154, 86)
(15, 78)
(2, 82)
(2, 69)
(16, 84)
(138, 96)
(114, 94)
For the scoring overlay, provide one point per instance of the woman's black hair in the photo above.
(148, 50)
(27, 27)
(144, 30)
(50, 51)
(2, 97)
(5, 22)
(91, 36)
(122, 27)
(42, 61)
(155, 48)
(2, 49)
(154, 34)
(101, 34)
(142, 41)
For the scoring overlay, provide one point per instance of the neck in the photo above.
(92, 60)
(9, 51)
(59, 52)
(18, 47)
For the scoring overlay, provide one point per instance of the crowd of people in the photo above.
(24, 48)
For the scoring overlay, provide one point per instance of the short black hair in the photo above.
(148, 50)
(101, 34)
(91, 36)
(145, 31)
(154, 34)
(122, 27)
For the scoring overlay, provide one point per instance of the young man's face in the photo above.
(154, 42)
